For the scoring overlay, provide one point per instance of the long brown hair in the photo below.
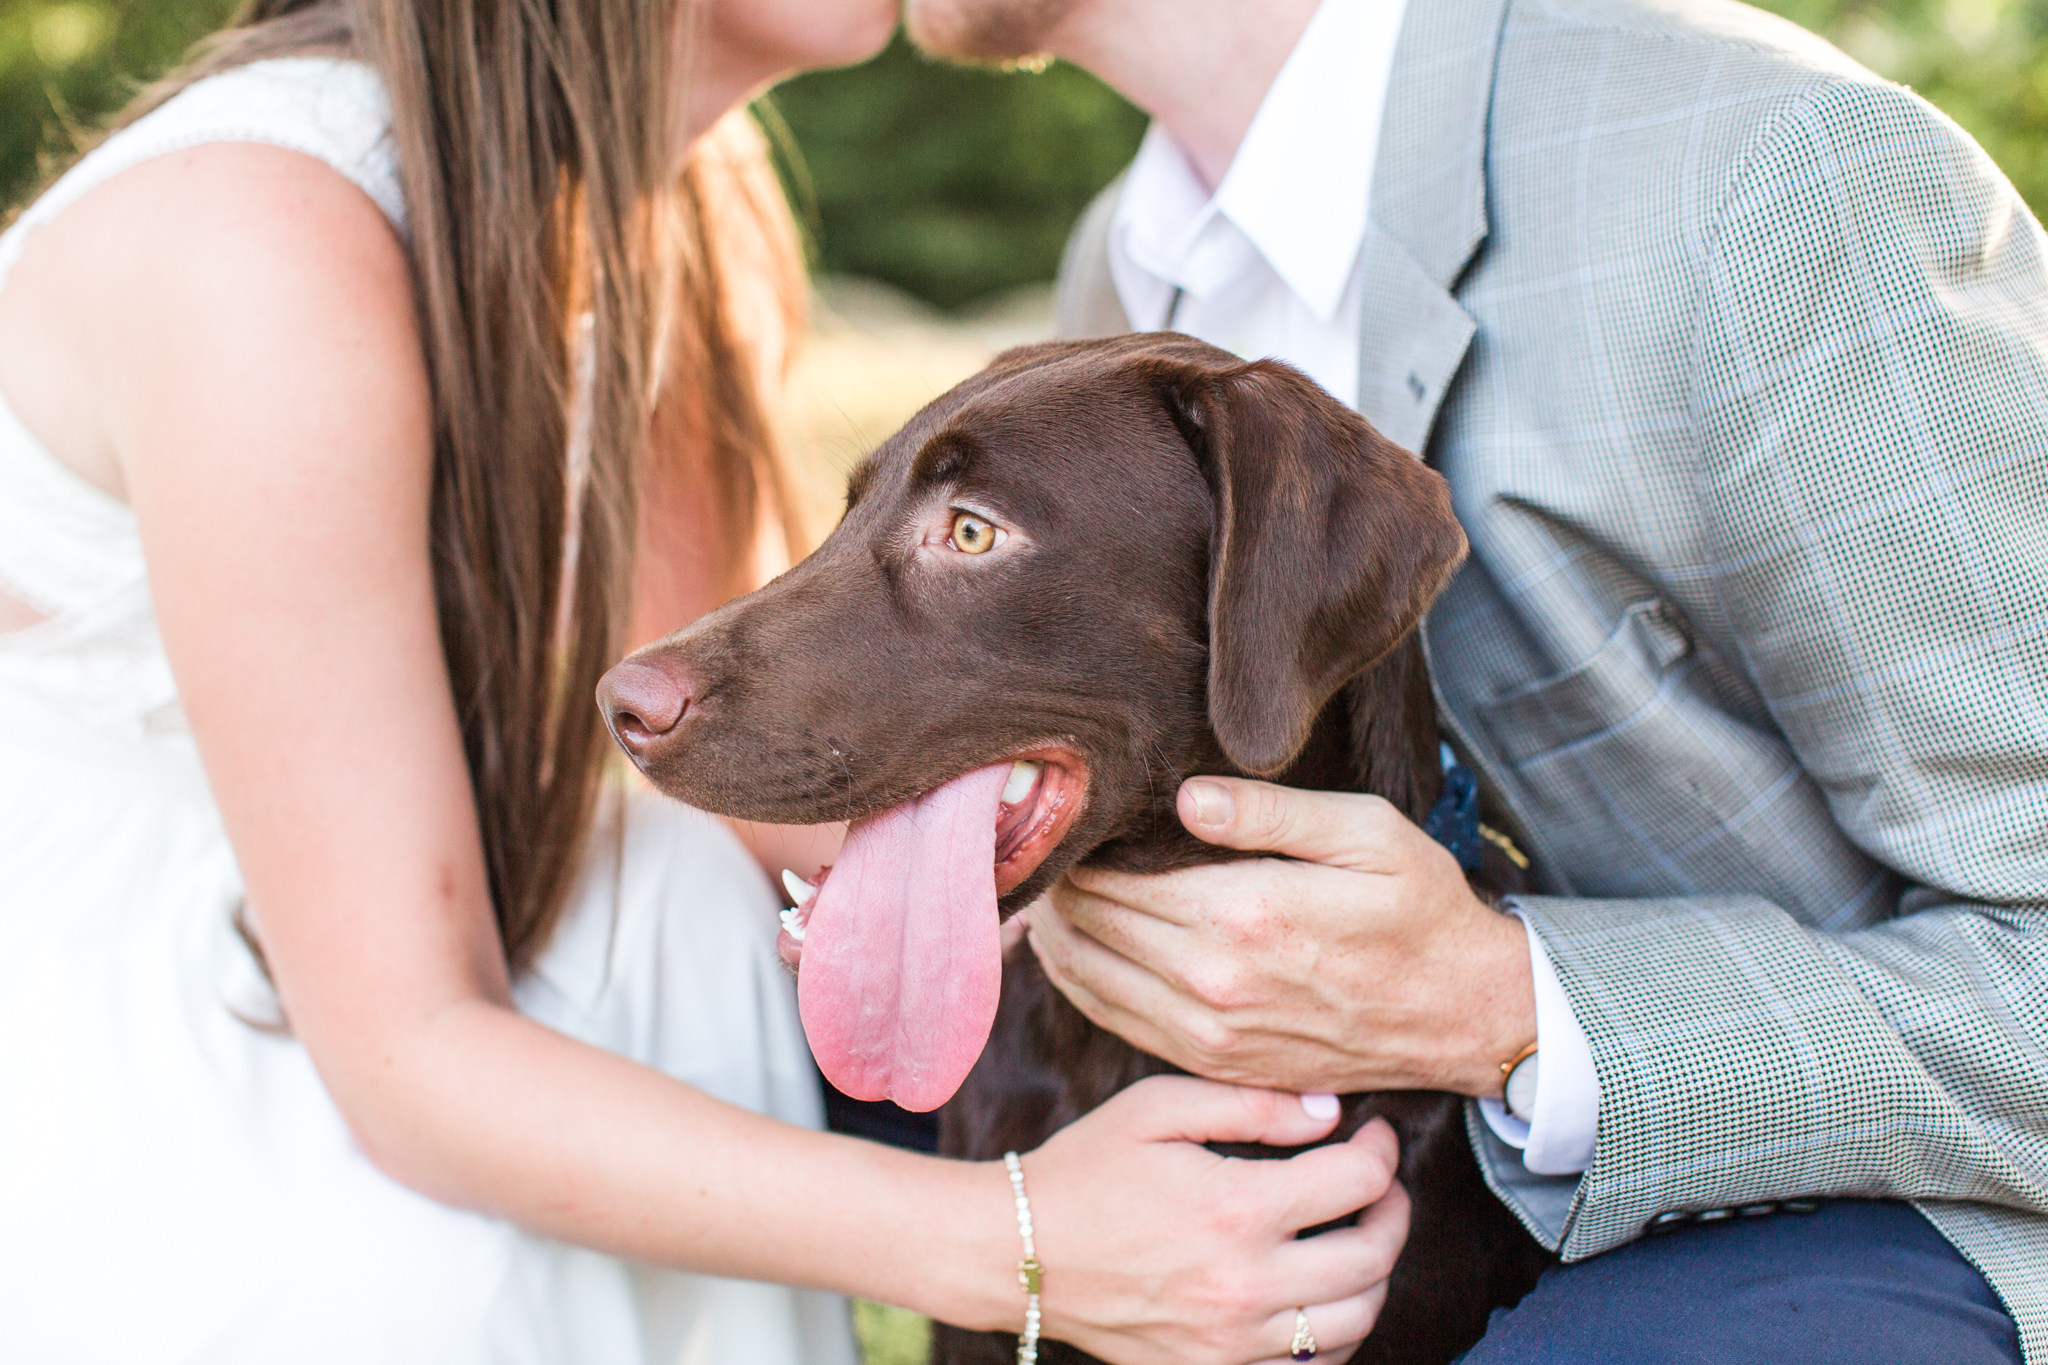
(593, 322)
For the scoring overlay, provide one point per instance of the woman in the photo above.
(333, 384)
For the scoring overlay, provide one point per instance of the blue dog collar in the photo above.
(1454, 820)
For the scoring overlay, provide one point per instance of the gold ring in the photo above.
(1304, 1344)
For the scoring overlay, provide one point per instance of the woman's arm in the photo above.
(247, 320)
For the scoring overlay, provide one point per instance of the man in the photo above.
(1736, 359)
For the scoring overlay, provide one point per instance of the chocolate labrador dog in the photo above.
(1086, 573)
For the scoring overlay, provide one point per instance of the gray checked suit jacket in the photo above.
(1736, 358)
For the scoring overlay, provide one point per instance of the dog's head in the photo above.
(1082, 575)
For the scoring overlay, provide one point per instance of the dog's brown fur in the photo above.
(1221, 571)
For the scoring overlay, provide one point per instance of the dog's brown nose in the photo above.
(641, 702)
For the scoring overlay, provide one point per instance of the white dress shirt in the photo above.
(1268, 265)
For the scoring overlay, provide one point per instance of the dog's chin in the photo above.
(743, 787)
(1014, 901)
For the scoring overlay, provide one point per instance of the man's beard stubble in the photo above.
(984, 30)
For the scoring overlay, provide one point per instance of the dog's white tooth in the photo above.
(792, 924)
(1022, 775)
(799, 890)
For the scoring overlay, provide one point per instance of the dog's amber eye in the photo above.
(973, 535)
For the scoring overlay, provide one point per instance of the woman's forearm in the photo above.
(488, 1110)
(1157, 1250)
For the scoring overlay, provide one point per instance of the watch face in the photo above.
(1521, 1088)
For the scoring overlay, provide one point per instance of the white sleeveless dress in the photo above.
(175, 1185)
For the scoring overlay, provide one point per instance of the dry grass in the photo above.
(891, 1336)
(874, 357)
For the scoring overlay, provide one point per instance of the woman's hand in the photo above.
(1360, 960)
(1156, 1249)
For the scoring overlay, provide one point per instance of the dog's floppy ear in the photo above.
(1328, 544)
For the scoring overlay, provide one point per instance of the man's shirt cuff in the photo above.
(1558, 1138)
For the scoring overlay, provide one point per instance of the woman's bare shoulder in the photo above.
(265, 262)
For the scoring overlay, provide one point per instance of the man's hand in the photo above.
(1358, 960)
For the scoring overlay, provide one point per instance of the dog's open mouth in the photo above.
(898, 941)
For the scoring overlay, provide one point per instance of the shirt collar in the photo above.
(1285, 196)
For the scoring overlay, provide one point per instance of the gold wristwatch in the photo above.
(1518, 1084)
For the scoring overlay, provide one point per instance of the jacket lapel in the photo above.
(1428, 213)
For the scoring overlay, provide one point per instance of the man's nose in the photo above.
(643, 701)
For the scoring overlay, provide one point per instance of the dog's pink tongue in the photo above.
(902, 959)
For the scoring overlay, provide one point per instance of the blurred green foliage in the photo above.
(952, 182)
(949, 181)
(65, 65)
(1982, 62)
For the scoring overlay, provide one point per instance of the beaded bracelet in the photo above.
(1029, 1272)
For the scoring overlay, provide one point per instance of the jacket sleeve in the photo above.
(1870, 386)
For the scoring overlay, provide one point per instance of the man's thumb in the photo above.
(1341, 828)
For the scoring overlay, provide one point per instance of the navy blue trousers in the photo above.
(1859, 1282)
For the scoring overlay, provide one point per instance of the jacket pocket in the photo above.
(1634, 780)
(1617, 685)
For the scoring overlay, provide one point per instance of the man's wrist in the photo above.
(1504, 1012)
(1555, 1117)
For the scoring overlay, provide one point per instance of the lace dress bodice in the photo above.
(67, 549)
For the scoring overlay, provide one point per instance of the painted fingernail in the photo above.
(1322, 1108)
(1213, 802)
